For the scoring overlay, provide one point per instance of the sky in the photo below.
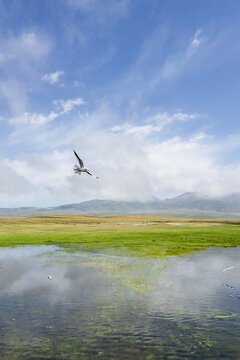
(145, 91)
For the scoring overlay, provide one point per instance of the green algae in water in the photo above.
(92, 307)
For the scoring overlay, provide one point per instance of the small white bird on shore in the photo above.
(82, 168)
(49, 277)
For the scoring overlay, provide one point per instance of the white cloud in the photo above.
(33, 118)
(153, 124)
(138, 131)
(68, 105)
(63, 106)
(184, 116)
(197, 40)
(164, 118)
(52, 78)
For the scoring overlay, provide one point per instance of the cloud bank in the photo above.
(133, 161)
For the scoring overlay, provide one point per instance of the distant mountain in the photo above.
(190, 204)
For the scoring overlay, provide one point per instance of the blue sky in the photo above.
(147, 92)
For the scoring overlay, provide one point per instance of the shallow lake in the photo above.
(63, 303)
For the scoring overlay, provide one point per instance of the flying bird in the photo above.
(229, 268)
(82, 168)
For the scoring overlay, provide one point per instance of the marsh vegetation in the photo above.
(140, 235)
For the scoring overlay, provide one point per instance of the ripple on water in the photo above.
(107, 307)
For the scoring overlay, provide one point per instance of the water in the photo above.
(99, 306)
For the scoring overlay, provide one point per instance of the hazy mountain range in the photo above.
(189, 204)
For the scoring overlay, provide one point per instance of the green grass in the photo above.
(155, 237)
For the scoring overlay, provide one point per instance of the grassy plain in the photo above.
(139, 235)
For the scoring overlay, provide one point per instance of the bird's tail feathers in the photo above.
(77, 170)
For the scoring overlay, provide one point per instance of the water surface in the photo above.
(99, 306)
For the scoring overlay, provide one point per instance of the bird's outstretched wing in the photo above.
(79, 160)
(95, 177)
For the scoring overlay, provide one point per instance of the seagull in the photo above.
(229, 268)
(49, 277)
(82, 168)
